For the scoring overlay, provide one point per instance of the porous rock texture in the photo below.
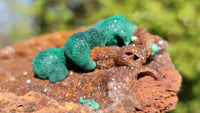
(126, 79)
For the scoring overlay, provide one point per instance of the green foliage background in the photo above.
(178, 21)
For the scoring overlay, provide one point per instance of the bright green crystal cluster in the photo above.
(155, 49)
(90, 102)
(113, 31)
(52, 63)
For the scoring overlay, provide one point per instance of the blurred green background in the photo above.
(178, 21)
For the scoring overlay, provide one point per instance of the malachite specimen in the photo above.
(90, 102)
(113, 31)
(155, 49)
(51, 63)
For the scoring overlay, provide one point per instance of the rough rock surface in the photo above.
(127, 79)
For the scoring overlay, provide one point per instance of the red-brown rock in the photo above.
(127, 79)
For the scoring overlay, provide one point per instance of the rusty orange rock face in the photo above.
(127, 79)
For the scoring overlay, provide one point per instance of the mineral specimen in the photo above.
(116, 30)
(127, 79)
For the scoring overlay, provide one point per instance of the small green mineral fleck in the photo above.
(90, 102)
(155, 49)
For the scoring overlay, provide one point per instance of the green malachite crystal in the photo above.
(90, 102)
(155, 49)
(51, 63)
